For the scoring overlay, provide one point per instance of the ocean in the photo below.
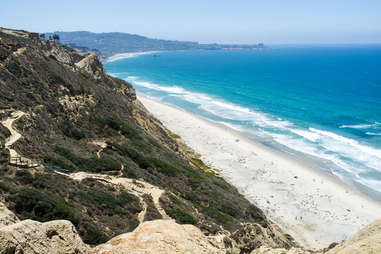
(320, 104)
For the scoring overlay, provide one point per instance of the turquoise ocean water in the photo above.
(322, 104)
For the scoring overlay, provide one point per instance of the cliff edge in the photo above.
(77, 146)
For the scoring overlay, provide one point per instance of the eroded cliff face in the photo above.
(161, 237)
(85, 150)
(94, 168)
(157, 236)
(28, 236)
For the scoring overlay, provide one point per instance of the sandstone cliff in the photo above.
(85, 150)
(158, 236)
(83, 163)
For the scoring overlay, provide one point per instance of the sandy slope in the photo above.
(313, 207)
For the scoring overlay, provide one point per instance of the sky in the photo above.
(205, 21)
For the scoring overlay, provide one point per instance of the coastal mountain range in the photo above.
(85, 168)
(108, 44)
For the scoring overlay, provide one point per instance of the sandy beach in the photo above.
(312, 206)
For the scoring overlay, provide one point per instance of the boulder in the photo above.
(30, 237)
(159, 237)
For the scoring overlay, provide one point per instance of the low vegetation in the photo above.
(137, 146)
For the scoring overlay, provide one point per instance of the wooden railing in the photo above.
(22, 162)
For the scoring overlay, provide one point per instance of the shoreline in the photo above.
(120, 56)
(314, 207)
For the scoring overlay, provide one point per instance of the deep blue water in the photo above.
(319, 103)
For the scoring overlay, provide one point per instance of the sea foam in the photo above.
(342, 156)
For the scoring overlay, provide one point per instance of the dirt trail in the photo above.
(136, 187)
(102, 144)
(15, 135)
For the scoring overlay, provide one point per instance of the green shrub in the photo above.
(97, 165)
(139, 159)
(255, 213)
(129, 131)
(130, 174)
(92, 164)
(58, 164)
(192, 197)
(93, 235)
(111, 204)
(195, 179)
(126, 130)
(200, 164)
(113, 122)
(174, 199)
(181, 216)
(124, 198)
(215, 214)
(164, 167)
(230, 209)
(32, 204)
(39, 181)
(68, 155)
(24, 176)
(70, 131)
(145, 162)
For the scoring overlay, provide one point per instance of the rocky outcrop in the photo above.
(7, 217)
(252, 236)
(64, 55)
(159, 237)
(92, 66)
(30, 237)
(367, 240)
(268, 250)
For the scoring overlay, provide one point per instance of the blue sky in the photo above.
(240, 21)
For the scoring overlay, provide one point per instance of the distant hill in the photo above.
(112, 43)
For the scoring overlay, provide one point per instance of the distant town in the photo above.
(108, 44)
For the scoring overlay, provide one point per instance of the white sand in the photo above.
(315, 208)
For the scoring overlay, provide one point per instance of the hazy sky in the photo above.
(229, 21)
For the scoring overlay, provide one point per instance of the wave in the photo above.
(231, 126)
(219, 107)
(117, 74)
(350, 142)
(361, 126)
(168, 89)
(121, 56)
(306, 134)
(373, 134)
(341, 155)
(132, 78)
